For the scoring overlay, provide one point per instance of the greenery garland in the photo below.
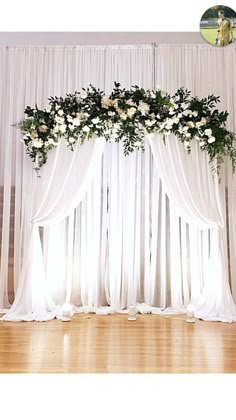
(127, 116)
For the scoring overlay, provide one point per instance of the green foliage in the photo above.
(128, 116)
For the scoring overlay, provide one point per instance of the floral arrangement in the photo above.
(127, 115)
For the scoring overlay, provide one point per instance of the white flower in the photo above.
(34, 134)
(61, 112)
(208, 132)
(171, 111)
(198, 124)
(86, 129)
(51, 141)
(188, 135)
(176, 106)
(76, 121)
(69, 118)
(203, 121)
(71, 140)
(152, 95)
(175, 120)
(195, 113)
(59, 120)
(211, 139)
(130, 102)
(95, 121)
(143, 107)
(106, 102)
(116, 103)
(111, 113)
(167, 133)
(186, 112)
(123, 116)
(185, 128)
(190, 124)
(197, 138)
(202, 143)
(83, 94)
(137, 143)
(38, 143)
(48, 108)
(180, 115)
(62, 128)
(57, 107)
(131, 112)
(43, 128)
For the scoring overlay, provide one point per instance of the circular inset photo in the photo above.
(218, 25)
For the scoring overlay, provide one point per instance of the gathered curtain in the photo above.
(127, 238)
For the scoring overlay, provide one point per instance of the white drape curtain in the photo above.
(117, 247)
(63, 183)
(197, 196)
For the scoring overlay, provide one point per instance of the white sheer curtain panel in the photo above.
(199, 200)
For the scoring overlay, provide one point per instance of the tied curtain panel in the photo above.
(101, 230)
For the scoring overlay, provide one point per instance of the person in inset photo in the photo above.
(224, 34)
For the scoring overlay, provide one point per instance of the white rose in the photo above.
(95, 120)
(86, 129)
(143, 107)
(208, 132)
(190, 124)
(37, 143)
(211, 139)
(131, 112)
(83, 94)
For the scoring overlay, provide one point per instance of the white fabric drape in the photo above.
(63, 183)
(125, 242)
(195, 193)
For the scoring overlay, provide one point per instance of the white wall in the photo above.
(93, 38)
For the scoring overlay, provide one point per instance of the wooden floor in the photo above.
(110, 344)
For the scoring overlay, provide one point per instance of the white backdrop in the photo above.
(115, 248)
